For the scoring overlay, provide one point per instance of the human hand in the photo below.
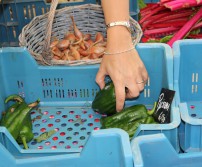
(126, 71)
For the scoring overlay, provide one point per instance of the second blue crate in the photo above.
(188, 85)
(156, 151)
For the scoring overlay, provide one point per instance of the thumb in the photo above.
(100, 78)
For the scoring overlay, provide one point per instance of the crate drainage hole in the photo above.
(192, 106)
(193, 115)
(72, 126)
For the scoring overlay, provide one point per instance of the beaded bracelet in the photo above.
(107, 53)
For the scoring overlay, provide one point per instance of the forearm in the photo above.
(115, 10)
(118, 37)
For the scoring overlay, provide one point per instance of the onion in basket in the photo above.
(78, 46)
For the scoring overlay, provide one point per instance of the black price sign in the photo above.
(162, 111)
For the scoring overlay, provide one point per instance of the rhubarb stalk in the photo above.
(168, 24)
(198, 25)
(174, 16)
(179, 4)
(161, 31)
(164, 1)
(152, 13)
(186, 28)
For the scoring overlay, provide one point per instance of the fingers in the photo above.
(132, 91)
(120, 96)
(144, 74)
(100, 78)
(140, 83)
(134, 88)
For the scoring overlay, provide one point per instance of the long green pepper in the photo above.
(7, 116)
(8, 113)
(26, 134)
(129, 119)
(17, 119)
(129, 114)
(12, 116)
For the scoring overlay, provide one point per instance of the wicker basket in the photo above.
(89, 18)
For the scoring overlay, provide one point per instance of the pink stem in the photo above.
(151, 13)
(186, 28)
(149, 8)
(196, 26)
(145, 11)
(163, 1)
(175, 5)
(168, 24)
(152, 19)
(180, 1)
(158, 32)
(174, 16)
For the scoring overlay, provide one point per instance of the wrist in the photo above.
(118, 32)
(118, 39)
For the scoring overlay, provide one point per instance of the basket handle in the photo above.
(47, 37)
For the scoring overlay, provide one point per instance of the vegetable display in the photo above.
(78, 46)
(17, 119)
(170, 20)
(105, 100)
(129, 119)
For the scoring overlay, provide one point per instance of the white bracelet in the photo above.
(120, 23)
(107, 53)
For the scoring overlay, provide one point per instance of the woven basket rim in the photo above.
(21, 37)
(40, 58)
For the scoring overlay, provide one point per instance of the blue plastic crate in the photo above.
(187, 83)
(108, 148)
(156, 151)
(66, 94)
(15, 14)
(160, 70)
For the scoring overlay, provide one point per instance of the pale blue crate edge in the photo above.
(189, 132)
(161, 153)
(174, 124)
(169, 130)
(183, 107)
(172, 128)
(86, 157)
